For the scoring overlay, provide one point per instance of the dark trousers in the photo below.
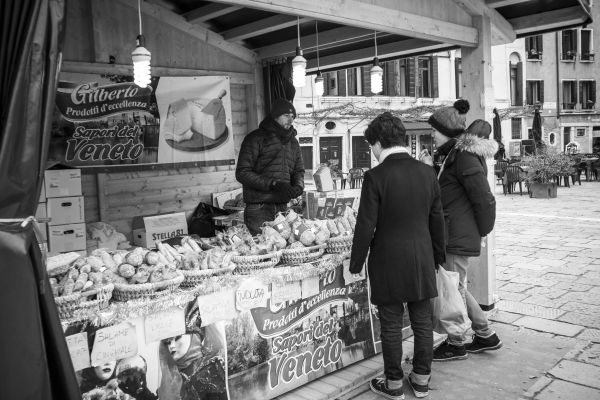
(390, 317)
(255, 214)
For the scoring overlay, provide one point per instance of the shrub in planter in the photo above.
(544, 166)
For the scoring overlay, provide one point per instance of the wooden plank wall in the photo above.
(116, 198)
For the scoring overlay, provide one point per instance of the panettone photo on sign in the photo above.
(195, 118)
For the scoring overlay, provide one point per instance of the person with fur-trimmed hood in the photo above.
(469, 211)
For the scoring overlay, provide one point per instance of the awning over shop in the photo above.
(346, 30)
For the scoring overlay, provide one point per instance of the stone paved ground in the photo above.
(548, 280)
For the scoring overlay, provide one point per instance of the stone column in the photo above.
(478, 90)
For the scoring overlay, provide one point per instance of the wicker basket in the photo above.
(303, 254)
(125, 291)
(249, 264)
(195, 276)
(90, 300)
(339, 244)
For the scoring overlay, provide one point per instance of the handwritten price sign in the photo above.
(114, 342)
(164, 324)
(78, 349)
(217, 306)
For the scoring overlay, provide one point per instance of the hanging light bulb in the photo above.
(376, 73)
(298, 64)
(319, 81)
(141, 57)
(319, 84)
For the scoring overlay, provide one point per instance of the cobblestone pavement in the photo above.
(548, 280)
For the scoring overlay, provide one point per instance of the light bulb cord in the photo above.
(317, 31)
(140, 15)
(375, 44)
(298, 27)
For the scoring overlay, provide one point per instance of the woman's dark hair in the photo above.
(387, 130)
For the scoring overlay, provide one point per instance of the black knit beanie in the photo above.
(282, 106)
(480, 128)
(450, 121)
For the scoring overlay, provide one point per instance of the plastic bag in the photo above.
(201, 221)
(449, 310)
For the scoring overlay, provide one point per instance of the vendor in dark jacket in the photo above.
(400, 226)
(270, 166)
(470, 213)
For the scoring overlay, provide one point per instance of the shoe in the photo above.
(419, 390)
(448, 352)
(378, 385)
(481, 344)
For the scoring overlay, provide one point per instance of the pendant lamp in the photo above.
(298, 64)
(319, 81)
(141, 57)
(376, 73)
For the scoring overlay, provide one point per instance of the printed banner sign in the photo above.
(109, 120)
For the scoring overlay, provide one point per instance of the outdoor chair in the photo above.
(356, 175)
(499, 169)
(513, 175)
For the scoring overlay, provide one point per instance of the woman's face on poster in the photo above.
(105, 371)
(178, 345)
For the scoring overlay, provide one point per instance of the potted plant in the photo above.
(543, 167)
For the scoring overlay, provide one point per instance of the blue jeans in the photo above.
(256, 214)
(479, 322)
(390, 317)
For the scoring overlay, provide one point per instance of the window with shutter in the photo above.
(424, 77)
(569, 45)
(569, 95)
(587, 48)
(434, 77)
(519, 88)
(351, 78)
(458, 75)
(533, 47)
(587, 94)
(515, 124)
(411, 76)
(341, 82)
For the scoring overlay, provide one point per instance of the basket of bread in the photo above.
(342, 232)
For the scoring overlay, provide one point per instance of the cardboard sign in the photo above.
(310, 287)
(218, 306)
(79, 351)
(114, 342)
(164, 324)
(252, 293)
(285, 292)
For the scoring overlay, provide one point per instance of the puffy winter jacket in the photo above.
(269, 153)
(469, 205)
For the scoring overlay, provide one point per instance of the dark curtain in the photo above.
(35, 359)
(278, 82)
(536, 129)
(497, 131)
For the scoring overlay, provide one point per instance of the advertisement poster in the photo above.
(104, 120)
(255, 350)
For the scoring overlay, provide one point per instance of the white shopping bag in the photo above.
(449, 310)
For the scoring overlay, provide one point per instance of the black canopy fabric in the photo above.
(536, 128)
(497, 131)
(35, 360)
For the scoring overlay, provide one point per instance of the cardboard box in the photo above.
(147, 230)
(68, 237)
(65, 210)
(323, 179)
(62, 182)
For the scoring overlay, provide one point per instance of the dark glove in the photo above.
(297, 191)
(284, 189)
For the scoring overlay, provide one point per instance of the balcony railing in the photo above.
(588, 105)
(534, 54)
(568, 55)
(568, 106)
(587, 57)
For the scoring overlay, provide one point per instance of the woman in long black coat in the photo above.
(400, 225)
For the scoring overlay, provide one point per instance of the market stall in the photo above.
(233, 316)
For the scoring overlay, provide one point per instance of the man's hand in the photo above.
(284, 189)
(297, 191)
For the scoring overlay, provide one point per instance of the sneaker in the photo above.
(419, 390)
(481, 344)
(378, 385)
(448, 352)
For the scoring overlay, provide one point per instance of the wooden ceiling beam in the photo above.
(211, 11)
(179, 23)
(503, 3)
(550, 20)
(329, 37)
(366, 55)
(261, 27)
(370, 16)
(502, 30)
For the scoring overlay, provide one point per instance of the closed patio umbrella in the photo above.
(536, 128)
(497, 130)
